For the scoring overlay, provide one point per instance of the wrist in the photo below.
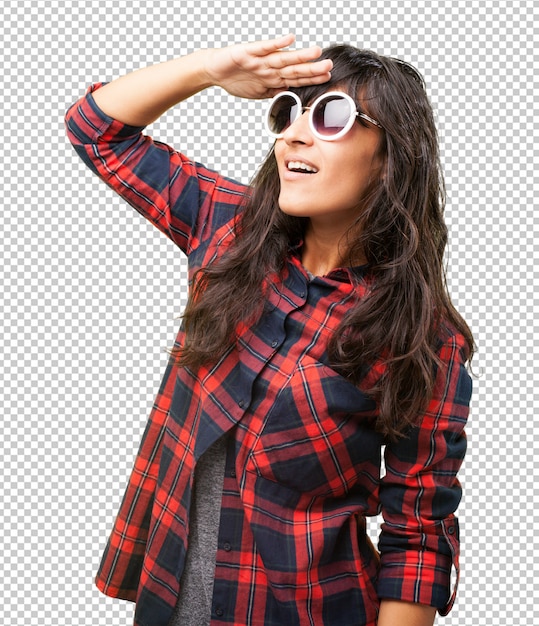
(202, 65)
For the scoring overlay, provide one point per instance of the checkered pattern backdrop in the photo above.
(91, 294)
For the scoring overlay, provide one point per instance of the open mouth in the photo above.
(302, 168)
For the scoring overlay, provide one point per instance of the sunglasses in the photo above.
(331, 115)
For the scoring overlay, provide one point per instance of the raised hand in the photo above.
(263, 68)
(250, 70)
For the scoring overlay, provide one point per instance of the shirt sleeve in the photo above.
(183, 199)
(419, 540)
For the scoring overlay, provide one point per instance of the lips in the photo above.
(301, 166)
(294, 164)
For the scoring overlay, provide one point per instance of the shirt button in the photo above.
(241, 404)
(227, 547)
(451, 530)
(219, 611)
(274, 343)
(233, 473)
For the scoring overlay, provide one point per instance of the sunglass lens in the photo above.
(331, 115)
(283, 112)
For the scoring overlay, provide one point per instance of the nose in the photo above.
(299, 131)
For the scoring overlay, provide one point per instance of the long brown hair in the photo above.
(400, 230)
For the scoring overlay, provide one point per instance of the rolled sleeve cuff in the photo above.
(89, 124)
(426, 576)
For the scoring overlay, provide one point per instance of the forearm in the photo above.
(397, 613)
(142, 96)
(252, 70)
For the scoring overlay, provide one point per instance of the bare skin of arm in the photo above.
(397, 613)
(251, 70)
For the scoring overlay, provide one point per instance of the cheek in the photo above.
(353, 177)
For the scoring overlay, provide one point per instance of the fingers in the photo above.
(308, 70)
(255, 70)
(284, 58)
(295, 68)
(277, 58)
(268, 46)
(305, 74)
(303, 81)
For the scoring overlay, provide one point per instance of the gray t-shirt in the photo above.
(196, 586)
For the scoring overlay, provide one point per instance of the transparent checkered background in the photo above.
(91, 293)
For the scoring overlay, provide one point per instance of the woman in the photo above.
(318, 329)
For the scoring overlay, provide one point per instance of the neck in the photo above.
(324, 250)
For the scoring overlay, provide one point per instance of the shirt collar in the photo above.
(347, 274)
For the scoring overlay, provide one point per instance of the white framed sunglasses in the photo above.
(331, 115)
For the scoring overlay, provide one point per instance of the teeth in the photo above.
(298, 165)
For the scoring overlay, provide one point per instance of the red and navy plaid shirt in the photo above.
(303, 462)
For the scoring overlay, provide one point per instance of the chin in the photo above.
(293, 211)
(292, 208)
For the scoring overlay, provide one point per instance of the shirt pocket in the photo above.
(319, 437)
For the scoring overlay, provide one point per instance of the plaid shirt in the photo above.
(304, 461)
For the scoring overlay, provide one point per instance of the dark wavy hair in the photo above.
(400, 230)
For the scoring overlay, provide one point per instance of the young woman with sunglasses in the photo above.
(318, 336)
